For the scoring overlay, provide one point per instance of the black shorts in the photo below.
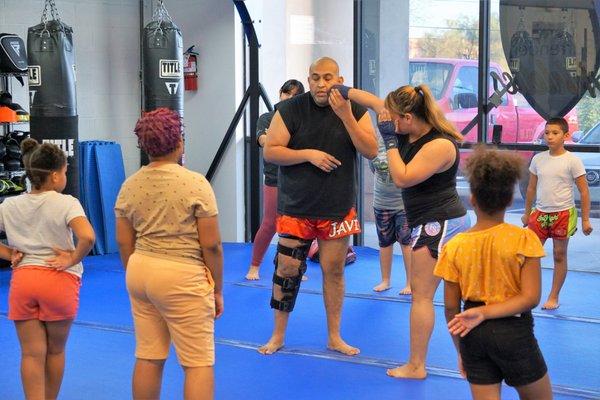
(502, 349)
(435, 234)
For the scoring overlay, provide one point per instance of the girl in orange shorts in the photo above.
(44, 289)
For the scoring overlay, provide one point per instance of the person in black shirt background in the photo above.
(314, 138)
(266, 231)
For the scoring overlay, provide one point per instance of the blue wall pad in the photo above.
(111, 175)
(91, 192)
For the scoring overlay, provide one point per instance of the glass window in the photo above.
(551, 52)
(294, 33)
(432, 73)
(432, 42)
(592, 137)
(464, 92)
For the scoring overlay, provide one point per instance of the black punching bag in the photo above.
(162, 65)
(52, 96)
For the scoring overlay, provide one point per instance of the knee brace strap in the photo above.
(299, 253)
(289, 286)
(289, 289)
(286, 304)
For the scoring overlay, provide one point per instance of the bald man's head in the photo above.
(325, 62)
(322, 75)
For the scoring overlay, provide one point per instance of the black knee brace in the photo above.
(290, 286)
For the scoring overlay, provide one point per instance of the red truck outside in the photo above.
(453, 82)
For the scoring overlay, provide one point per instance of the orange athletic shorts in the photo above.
(43, 293)
(326, 229)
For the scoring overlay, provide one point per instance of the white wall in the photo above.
(293, 33)
(393, 45)
(211, 26)
(106, 39)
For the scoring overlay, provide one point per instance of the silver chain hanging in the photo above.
(521, 25)
(53, 12)
(160, 13)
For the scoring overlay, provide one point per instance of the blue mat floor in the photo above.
(100, 349)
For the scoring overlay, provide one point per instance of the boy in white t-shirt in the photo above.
(552, 176)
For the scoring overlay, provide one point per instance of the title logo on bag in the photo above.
(66, 145)
(172, 87)
(35, 75)
(170, 69)
(16, 47)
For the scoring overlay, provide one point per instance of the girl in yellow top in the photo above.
(494, 267)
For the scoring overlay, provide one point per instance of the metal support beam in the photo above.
(253, 178)
(484, 67)
(254, 92)
(357, 60)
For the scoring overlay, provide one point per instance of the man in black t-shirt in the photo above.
(314, 137)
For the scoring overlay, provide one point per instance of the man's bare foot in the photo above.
(382, 287)
(252, 274)
(271, 347)
(407, 371)
(551, 304)
(406, 291)
(304, 277)
(340, 346)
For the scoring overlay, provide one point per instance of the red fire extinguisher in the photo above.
(190, 69)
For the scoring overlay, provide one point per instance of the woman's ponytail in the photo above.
(420, 102)
(435, 116)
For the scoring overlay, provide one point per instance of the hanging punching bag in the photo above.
(52, 96)
(162, 64)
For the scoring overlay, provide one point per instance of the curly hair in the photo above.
(41, 160)
(159, 132)
(492, 175)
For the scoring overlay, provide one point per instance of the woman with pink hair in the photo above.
(170, 245)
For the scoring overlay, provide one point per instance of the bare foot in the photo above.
(407, 371)
(252, 274)
(340, 346)
(406, 291)
(551, 304)
(304, 277)
(271, 347)
(383, 286)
